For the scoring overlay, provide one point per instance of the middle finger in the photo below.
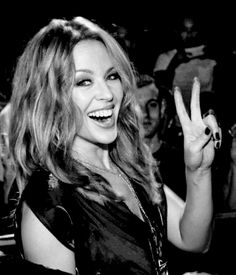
(195, 102)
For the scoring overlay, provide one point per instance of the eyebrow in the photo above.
(84, 71)
(91, 72)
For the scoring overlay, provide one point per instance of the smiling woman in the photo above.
(86, 179)
(98, 94)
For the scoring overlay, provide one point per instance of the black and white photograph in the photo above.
(118, 139)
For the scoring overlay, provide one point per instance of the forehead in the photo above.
(91, 54)
(147, 92)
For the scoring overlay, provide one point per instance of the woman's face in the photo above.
(97, 92)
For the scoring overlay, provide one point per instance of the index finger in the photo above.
(180, 107)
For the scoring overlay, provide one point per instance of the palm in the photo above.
(195, 155)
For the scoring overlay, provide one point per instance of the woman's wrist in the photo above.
(200, 170)
(198, 175)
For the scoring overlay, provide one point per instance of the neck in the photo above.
(93, 154)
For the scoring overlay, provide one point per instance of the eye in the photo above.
(152, 104)
(113, 76)
(83, 82)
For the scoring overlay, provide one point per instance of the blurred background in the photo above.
(150, 25)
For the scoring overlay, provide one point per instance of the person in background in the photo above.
(158, 112)
(8, 187)
(86, 178)
(156, 105)
(231, 198)
(7, 173)
(191, 55)
(224, 86)
(125, 37)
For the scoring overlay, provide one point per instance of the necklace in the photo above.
(146, 218)
(121, 175)
(118, 172)
(100, 169)
(124, 178)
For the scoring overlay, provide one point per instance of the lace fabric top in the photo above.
(106, 238)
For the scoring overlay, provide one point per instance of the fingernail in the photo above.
(209, 112)
(207, 131)
(217, 136)
(195, 79)
(177, 88)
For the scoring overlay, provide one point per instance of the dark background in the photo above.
(151, 23)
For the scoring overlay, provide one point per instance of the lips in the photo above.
(103, 117)
(101, 114)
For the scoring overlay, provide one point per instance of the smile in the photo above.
(103, 118)
(101, 115)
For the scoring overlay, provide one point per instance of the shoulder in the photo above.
(42, 246)
(164, 60)
(43, 187)
(45, 199)
(37, 191)
(5, 112)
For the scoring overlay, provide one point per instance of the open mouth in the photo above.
(101, 116)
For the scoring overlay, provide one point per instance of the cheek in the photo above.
(120, 92)
(119, 95)
(80, 101)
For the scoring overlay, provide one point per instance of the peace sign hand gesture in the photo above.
(198, 134)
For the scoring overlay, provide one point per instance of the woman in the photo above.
(89, 201)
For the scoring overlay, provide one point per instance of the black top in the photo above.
(106, 238)
(170, 160)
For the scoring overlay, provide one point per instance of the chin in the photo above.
(149, 133)
(106, 140)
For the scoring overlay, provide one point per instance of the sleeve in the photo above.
(47, 203)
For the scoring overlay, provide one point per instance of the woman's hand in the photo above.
(209, 119)
(199, 141)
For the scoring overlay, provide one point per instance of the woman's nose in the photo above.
(104, 91)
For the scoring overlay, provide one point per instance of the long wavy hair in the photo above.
(45, 120)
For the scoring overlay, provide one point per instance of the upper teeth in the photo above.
(102, 113)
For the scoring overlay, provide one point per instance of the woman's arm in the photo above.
(41, 247)
(189, 223)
